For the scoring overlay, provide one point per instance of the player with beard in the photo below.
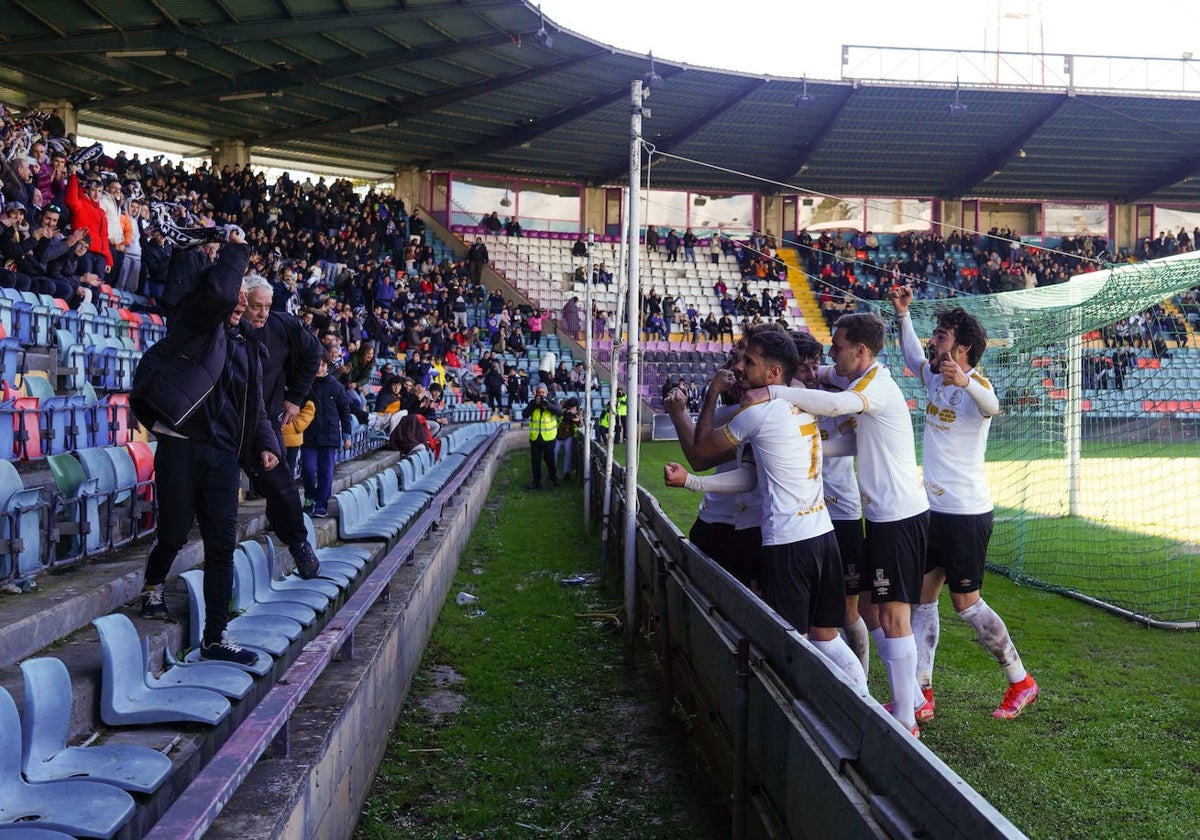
(801, 574)
(957, 420)
(894, 506)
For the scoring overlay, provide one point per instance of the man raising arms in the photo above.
(957, 419)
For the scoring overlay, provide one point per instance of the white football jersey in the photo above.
(748, 506)
(837, 474)
(954, 446)
(888, 480)
(787, 454)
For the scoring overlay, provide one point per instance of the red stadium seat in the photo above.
(143, 462)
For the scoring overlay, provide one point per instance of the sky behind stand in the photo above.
(794, 39)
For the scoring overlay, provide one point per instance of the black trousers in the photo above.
(284, 510)
(197, 481)
(542, 451)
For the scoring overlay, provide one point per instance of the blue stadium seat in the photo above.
(246, 597)
(22, 526)
(125, 699)
(45, 725)
(314, 593)
(264, 638)
(90, 809)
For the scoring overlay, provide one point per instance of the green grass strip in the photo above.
(555, 733)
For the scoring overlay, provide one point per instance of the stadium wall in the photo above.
(340, 732)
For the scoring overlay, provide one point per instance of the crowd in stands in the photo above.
(357, 269)
(1166, 244)
(849, 267)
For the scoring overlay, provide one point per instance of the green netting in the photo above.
(1096, 487)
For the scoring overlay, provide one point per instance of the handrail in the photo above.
(198, 806)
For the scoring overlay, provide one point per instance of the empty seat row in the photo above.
(381, 507)
(32, 319)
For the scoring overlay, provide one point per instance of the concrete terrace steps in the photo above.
(67, 601)
(54, 620)
(805, 299)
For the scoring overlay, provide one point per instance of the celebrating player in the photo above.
(957, 419)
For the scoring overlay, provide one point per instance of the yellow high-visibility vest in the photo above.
(543, 424)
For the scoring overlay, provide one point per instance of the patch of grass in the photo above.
(557, 735)
(1110, 750)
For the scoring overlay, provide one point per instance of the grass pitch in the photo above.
(1110, 750)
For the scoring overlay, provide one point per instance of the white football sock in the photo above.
(926, 627)
(900, 658)
(843, 659)
(993, 635)
(860, 642)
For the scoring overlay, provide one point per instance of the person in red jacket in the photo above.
(86, 213)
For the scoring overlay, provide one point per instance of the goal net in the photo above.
(1094, 462)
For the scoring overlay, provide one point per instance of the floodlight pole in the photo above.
(606, 527)
(633, 310)
(586, 409)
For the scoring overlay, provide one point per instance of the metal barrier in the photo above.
(800, 752)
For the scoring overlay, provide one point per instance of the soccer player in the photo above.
(728, 525)
(841, 495)
(957, 419)
(801, 573)
(896, 511)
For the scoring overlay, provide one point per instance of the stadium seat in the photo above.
(143, 464)
(21, 327)
(78, 509)
(266, 642)
(338, 571)
(42, 316)
(22, 526)
(72, 362)
(126, 700)
(73, 806)
(246, 597)
(315, 593)
(120, 418)
(221, 677)
(98, 418)
(27, 428)
(45, 725)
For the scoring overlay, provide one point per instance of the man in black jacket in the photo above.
(288, 367)
(200, 391)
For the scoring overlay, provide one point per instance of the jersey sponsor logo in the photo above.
(807, 509)
(946, 415)
(824, 435)
(935, 489)
(866, 500)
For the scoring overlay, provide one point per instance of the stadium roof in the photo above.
(378, 86)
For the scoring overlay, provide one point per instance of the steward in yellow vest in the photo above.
(543, 415)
